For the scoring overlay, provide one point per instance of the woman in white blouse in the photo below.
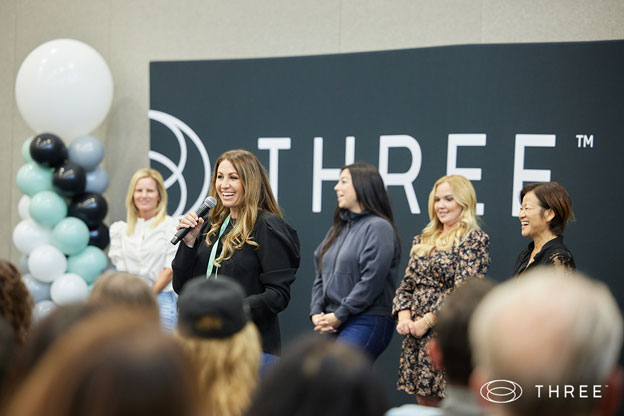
(140, 245)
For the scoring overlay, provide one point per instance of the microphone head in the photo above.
(210, 202)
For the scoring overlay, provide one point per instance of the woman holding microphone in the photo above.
(244, 238)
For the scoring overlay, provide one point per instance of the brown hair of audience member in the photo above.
(16, 304)
(44, 334)
(552, 196)
(117, 363)
(226, 368)
(115, 288)
(8, 353)
(452, 330)
(318, 376)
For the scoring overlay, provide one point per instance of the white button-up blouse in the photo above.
(147, 252)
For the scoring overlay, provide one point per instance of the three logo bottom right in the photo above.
(501, 391)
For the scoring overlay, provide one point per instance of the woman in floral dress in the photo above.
(450, 249)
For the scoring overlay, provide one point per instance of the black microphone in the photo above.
(203, 209)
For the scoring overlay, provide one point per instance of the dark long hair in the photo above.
(317, 376)
(372, 196)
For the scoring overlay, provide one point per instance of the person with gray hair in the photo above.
(548, 344)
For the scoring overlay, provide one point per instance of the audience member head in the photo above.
(47, 331)
(8, 353)
(16, 304)
(450, 348)
(115, 288)
(550, 329)
(215, 329)
(318, 376)
(554, 202)
(117, 363)
(151, 180)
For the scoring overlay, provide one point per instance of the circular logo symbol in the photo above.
(501, 391)
(179, 129)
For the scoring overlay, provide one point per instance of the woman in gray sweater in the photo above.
(357, 264)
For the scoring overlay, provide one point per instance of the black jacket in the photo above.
(553, 252)
(265, 272)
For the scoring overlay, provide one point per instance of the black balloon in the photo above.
(99, 237)
(69, 179)
(48, 150)
(90, 207)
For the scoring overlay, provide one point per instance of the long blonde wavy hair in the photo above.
(132, 213)
(226, 369)
(257, 195)
(432, 235)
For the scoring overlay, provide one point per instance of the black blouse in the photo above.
(553, 253)
(265, 272)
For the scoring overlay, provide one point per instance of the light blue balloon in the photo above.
(86, 151)
(70, 235)
(26, 150)
(38, 290)
(43, 309)
(88, 264)
(97, 180)
(32, 178)
(47, 208)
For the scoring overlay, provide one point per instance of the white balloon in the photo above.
(22, 207)
(64, 87)
(43, 309)
(29, 235)
(37, 289)
(68, 288)
(47, 263)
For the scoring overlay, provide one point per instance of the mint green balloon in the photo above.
(32, 178)
(26, 150)
(88, 264)
(47, 208)
(70, 235)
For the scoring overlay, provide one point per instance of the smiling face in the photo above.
(347, 197)
(533, 218)
(446, 207)
(229, 187)
(146, 197)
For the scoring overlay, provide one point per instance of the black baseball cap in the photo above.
(212, 308)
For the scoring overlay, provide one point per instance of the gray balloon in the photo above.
(97, 180)
(86, 151)
(37, 289)
(23, 264)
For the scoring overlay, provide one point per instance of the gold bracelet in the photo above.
(428, 321)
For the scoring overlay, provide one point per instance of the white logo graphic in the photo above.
(178, 128)
(501, 391)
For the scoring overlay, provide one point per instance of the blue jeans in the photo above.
(267, 361)
(168, 310)
(371, 333)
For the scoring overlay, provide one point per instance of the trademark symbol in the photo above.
(585, 140)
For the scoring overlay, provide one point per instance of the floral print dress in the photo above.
(427, 282)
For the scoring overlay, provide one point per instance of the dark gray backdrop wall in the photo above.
(507, 113)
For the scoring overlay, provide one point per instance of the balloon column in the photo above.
(63, 88)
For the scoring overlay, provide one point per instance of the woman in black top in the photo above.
(545, 211)
(254, 245)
